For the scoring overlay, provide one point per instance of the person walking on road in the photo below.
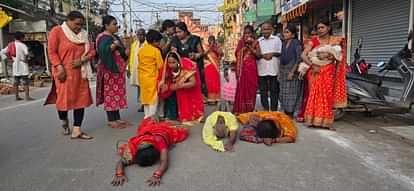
(69, 51)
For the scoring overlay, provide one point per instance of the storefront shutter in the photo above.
(383, 26)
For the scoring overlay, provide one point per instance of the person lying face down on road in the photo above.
(151, 144)
(267, 128)
(220, 125)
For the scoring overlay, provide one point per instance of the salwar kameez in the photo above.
(110, 82)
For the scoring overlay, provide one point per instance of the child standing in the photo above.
(230, 84)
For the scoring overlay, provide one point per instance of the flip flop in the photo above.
(82, 136)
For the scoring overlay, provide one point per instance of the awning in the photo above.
(298, 12)
(293, 9)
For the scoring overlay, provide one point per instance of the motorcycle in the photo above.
(369, 95)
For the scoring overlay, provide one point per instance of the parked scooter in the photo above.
(359, 66)
(368, 95)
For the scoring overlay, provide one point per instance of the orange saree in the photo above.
(327, 90)
(212, 73)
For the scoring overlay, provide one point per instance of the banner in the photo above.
(265, 7)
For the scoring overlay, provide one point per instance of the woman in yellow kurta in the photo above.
(150, 62)
(267, 127)
(218, 126)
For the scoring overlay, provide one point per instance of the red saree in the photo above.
(161, 135)
(326, 89)
(189, 100)
(211, 70)
(245, 100)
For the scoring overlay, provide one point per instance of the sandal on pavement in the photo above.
(82, 136)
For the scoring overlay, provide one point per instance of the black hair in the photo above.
(167, 24)
(326, 23)
(175, 56)
(182, 26)
(141, 29)
(212, 37)
(106, 20)
(147, 156)
(75, 15)
(19, 35)
(293, 29)
(249, 27)
(270, 23)
(153, 36)
(267, 129)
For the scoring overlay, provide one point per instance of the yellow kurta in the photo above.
(209, 137)
(150, 62)
(287, 126)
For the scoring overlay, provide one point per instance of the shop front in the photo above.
(382, 25)
(307, 13)
(36, 40)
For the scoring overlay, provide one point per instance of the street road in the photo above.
(35, 156)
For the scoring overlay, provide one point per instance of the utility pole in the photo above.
(157, 14)
(88, 11)
(130, 15)
(124, 17)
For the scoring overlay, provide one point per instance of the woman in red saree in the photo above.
(151, 144)
(181, 75)
(212, 71)
(246, 72)
(327, 88)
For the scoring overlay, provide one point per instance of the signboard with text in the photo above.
(288, 5)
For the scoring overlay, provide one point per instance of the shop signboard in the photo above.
(28, 27)
(288, 5)
(265, 7)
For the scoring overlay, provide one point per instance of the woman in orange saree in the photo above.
(212, 71)
(246, 72)
(327, 88)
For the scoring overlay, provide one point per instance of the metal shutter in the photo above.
(383, 25)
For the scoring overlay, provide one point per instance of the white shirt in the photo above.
(20, 67)
(271, 45)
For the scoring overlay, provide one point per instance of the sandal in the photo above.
(66, 129)
(82, 136)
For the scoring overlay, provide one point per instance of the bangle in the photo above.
(58, 65)
(157, 174)
(119, 173)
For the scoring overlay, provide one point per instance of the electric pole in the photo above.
(124, 17)
(130, 15)
(88, 11)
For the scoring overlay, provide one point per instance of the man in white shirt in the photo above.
(133, 61)
(268, 67)
(20, 66)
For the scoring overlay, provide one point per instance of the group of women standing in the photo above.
(316, 89)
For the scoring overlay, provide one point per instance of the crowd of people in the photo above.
(176, 74)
